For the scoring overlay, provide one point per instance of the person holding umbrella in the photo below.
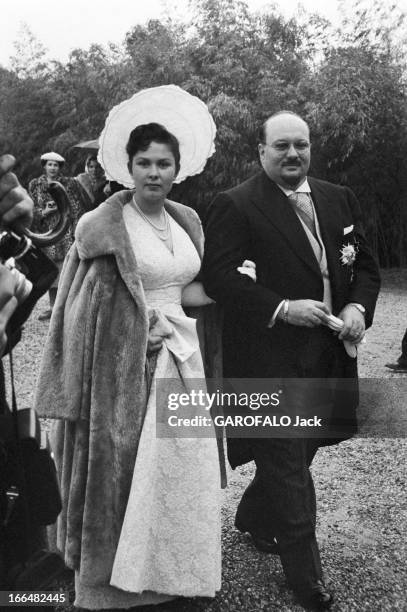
(93, 180)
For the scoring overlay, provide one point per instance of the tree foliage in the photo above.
(349, 84)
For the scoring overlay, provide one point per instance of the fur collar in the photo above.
(102, 231)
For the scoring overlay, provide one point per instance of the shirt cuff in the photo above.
(361, 308)
(274, 317)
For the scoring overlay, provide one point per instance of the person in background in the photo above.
(112, 187)
(45, 213)
(401, 364)
(93, 180)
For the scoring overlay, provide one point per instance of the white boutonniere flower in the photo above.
(348, 256)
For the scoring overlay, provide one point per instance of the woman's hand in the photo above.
(158, 330)
(249, 268)
(107, 190)
(194, 293)
(154, 344)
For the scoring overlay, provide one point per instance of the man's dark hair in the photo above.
(262, 128)
(143, 135)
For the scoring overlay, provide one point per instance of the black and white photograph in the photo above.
(203, 305)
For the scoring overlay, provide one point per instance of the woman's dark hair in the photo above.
(143, 135)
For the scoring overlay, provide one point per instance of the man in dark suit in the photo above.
(312, 262)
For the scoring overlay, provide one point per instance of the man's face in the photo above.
(286, 154)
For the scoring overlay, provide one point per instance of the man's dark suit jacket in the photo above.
(256, 221)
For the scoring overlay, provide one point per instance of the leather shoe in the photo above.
(266, 546)
(44, 316)
(316, 597)
(397, 367)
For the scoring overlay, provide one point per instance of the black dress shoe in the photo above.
(266, 546)
(397, 367)
(316, 597)
(44, 316)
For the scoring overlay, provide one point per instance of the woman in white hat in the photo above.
(45, 214)
(141, 517)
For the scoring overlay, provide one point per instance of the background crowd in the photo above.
(348, 83)
(85, 192)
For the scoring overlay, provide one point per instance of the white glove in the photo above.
(336, 324)
(249, 268)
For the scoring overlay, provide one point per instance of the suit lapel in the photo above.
(273, 203)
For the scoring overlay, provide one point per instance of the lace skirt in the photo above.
(170, 541)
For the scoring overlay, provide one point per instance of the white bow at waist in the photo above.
(178, 330)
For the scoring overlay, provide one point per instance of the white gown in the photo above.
(170, 538)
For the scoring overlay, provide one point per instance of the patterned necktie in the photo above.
(302, 204)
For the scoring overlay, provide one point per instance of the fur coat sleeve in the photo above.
(94, 355)
(94, 359)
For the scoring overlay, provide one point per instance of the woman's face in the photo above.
(94, 168)
(51, 169)
(153, 172)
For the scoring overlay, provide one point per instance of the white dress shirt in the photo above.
(316, 244)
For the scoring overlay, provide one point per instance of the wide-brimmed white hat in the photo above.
(182, 114)
(52, 156)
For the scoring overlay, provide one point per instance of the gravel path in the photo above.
(361, 492)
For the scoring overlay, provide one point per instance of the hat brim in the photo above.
(52, 156)
(182, 114)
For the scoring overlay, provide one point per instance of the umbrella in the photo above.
(92, 145)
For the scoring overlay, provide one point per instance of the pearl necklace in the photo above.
(159, 231)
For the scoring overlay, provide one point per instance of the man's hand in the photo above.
(16, 206)
(306, 313)
(353, 324)
(8, 302)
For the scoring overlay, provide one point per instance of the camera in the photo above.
(24, 259)
(33, 270)
(34, 273)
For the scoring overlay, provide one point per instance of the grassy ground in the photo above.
(360, 488)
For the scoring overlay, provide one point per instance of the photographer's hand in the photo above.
(16, 206)
(8, 302)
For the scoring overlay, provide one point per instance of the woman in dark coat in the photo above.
(93, 180)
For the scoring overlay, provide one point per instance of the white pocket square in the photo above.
(347, 230)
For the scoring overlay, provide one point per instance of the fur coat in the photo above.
(93, 376)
